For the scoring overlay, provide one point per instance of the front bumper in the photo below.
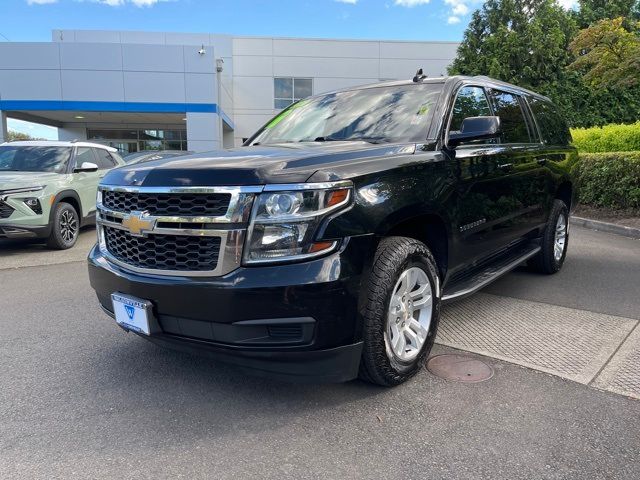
(296, 321)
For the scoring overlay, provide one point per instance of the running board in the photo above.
(480, 279)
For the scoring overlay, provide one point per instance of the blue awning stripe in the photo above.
(126, 107)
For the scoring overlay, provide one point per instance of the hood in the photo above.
(11, 180)
(255, 165)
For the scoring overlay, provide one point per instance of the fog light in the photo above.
(34, 205)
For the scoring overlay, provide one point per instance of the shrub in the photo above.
(610, 138)
(609, 180)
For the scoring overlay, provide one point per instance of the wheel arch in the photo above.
(565, 192)
(430, 229)
(68, 196)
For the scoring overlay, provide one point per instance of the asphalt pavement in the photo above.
(82, 399)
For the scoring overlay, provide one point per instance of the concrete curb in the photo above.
(606, 227)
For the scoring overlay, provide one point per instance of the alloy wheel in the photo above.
(409, 315)
(68, 226)
(560, 240)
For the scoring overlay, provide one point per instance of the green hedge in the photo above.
(610, 180)
(610, 138)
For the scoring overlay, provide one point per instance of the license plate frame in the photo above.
(132, 313)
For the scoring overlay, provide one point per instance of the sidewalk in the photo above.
(586, 347)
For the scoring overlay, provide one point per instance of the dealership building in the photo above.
(152, 90)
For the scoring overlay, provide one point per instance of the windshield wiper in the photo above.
(329, 138)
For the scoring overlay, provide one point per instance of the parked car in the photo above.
(48, 189)
(324, 248)
(149, 155)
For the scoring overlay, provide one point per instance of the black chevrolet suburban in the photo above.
(324, 247)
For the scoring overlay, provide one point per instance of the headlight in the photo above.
(284, 221)
(13, 191)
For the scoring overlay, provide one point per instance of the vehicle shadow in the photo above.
(142, 376)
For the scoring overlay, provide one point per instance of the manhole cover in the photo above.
(459, 368)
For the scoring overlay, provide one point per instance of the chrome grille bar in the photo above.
(231, 227)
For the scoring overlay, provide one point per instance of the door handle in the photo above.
(505, 166)
(541, 161)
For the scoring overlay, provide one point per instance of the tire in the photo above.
(550, 260)
(65, 227)
(395, 257)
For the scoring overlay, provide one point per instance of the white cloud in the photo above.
(351, 2)
(460, 8)
(567, 4)
(137, 3)
(40, 2)
(410, 3)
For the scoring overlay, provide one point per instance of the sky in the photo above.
(33, 20)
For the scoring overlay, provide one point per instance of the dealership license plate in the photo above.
(131, 313)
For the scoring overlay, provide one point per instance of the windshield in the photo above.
(381, 114)
(16, 158)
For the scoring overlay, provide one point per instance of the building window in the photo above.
(130, 140)
(288, 90)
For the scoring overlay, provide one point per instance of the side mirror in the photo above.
(475, 128)
(86, 167)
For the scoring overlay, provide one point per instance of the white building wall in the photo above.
(70, 133)
(157, 67)
(332, 64)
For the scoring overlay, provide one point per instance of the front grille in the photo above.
(179, 253)
(5, 210)
(168, 204)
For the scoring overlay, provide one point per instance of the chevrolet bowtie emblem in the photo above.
(138, 223)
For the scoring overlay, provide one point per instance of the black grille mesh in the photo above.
(5, 210)
(163, 252)
(168, 204)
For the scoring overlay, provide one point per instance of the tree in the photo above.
(592, 11)
(608, 54)
(519, 41)
(527, 43)
(12, 136)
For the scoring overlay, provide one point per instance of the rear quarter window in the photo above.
(553, 128)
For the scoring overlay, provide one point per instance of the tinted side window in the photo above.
(84, 154)
(104, 159)
(512, 120)
(470, 102)
(553, 128)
